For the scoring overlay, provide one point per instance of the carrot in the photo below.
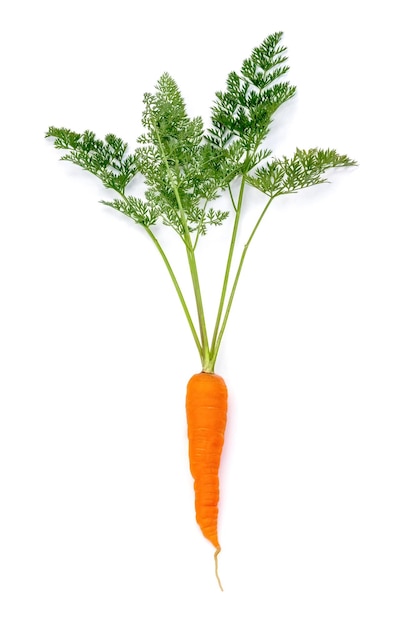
(183, 170)
(206, 408)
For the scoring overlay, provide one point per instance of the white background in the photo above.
(318, 510)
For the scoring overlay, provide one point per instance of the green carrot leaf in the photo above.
(304, 169)
(182, 171)
(108, 159)
(141, 212)
(243, 113)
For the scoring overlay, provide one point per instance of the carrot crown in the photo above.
(188, 171)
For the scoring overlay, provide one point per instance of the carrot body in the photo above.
(206, 407)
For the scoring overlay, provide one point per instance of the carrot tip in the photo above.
(216, 567)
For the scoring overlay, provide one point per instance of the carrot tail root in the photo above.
(216, 568)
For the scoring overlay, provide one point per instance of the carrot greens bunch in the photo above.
(186, 169)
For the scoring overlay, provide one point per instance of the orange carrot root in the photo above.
(206, 406)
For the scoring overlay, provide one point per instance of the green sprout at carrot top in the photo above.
(187, 170)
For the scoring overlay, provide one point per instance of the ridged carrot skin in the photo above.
(206, 407)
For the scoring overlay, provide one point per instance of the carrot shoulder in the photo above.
(206, 407)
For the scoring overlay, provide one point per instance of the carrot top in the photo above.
(188, 171)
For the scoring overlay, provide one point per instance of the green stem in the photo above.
(177, 288)
(204, 350)
(228, 267)
(175, 282)
(215, 349)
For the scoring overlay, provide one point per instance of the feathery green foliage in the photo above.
(185, 170)
(242, 114)
(289, 175)
(181, 171)
(105, 159)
